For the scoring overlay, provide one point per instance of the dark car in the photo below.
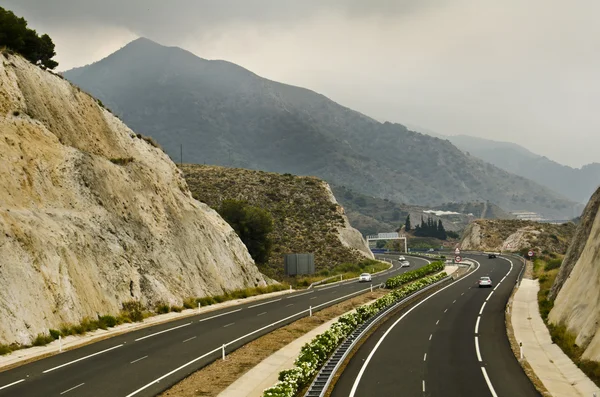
(491, 256)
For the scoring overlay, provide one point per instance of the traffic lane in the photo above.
(404, 347)
(452, 368)
(495, 347)
(180, 329)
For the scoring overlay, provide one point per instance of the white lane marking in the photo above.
(264, 303)
(489, 296)
(445, 310)
(423, 386)
(81, 359)
(496, 287)
(71, 389)
(437, 322)
(487, 380)
(430, 336)
(380, 341)
(462, 294)
(260, 314)
(162, 332)
(425, 357)
(12, 384)
(482, 307)
(219, 315)
(228, 325)
(172, 372)
(454, 301)
(333, 286)
(291, 304)
(189, 339)
(314, 297)
(477, 325)
(140, 359)
(304, 293)
(477, 348)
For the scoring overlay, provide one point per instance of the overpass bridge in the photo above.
(387, 236)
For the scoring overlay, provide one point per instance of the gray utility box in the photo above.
(295, 264)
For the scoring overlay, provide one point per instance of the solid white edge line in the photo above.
(71, 389)
(477, 325)
(423, 386)
(425, 357)
(477, 348)
(264, 303)
(380, 341)
(489, 296)
(81, 359)
(162, 332)
(487, 380)
(12, 384)
(140, 359)
(482, 307)
(295, 296)
(326, 288)
(219, 315)
(175, 370)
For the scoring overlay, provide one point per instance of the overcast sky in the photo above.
(521, 71)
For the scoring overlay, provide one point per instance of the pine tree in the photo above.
(407, 225)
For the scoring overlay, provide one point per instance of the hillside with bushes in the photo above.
(306, 216)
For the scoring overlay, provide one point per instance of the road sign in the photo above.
(457, 251)
(457, 259)
(530, 253)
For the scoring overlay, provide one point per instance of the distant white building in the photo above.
(528, 216)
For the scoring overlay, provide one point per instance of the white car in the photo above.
(364, 277)
(485, 282)
(404, 263)
(401, 259)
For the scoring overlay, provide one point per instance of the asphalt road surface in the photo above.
(451, 344)
(146, 362)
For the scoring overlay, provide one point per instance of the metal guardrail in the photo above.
(319, 386)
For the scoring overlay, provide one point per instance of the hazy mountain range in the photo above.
(577, 184)
(220, 113)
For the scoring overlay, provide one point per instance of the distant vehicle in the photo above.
(431, 249)
(492, 255)
(404, 263)
(401, 258)
(485, 282)
(364, 277)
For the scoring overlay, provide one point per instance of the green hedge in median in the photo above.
(407, 277)
(315, 353)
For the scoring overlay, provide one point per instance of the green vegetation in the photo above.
(407, 224)
(545, 269)
(304, 217)
(240, 294)
(412, 275)
(121, 160)
(15, 36)
(431, 228)
(252, 224)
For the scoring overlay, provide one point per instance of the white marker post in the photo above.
(199, 306)
(371, 287)
(521, 349)
(59, 343)
(223, 352)
(310, 311)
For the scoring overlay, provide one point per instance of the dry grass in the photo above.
(216, 377)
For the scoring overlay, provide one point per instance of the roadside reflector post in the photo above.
(59, 343)
(310, 311)
(521, 349)
(223, 352)
(341, 277)
(290, 288)
(371, 287)
(199, 306)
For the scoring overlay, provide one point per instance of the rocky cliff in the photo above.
(306, 215)
(576, 287)
(516, 235)
(91, 215)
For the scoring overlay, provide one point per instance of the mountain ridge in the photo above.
(225, 115)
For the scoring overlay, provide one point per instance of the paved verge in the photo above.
(555, 369)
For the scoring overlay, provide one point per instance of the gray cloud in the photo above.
(512, 70)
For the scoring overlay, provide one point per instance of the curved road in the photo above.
(451, 344)
(147, 361)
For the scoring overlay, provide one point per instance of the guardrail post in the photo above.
(59, 344)
(223, 352)
(310, 311)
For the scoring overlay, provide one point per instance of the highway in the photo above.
(148, 361)
(451, 344)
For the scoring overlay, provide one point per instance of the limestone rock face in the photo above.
(92, 215)
(577, 286)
